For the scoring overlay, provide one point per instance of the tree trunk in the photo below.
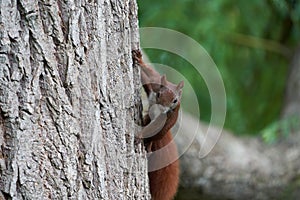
(69, 101)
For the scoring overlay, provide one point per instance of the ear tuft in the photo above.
(164, 80)
(180, 85)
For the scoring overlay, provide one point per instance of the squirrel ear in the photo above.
(164, 81)
(180, 85)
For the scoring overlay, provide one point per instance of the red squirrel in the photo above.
(157, 131)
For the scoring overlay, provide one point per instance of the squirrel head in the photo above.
(169, 94)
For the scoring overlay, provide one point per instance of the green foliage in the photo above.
(248, 40)
(280, 128)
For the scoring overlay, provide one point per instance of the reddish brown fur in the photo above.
(151, 79)
(172, 116)
(164, 182)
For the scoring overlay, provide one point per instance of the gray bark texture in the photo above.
(69, 101)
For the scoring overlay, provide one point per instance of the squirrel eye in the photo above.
(175, 101)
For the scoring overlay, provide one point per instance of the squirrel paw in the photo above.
(138, 140)
(149, 148)
(137, 55)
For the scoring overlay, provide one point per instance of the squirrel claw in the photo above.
(137, 55)
(138, 141)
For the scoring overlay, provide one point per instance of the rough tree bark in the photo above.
(69, 101)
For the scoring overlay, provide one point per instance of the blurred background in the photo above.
(256, 47)
(251, 42)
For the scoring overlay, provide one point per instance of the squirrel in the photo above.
(164, 103)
